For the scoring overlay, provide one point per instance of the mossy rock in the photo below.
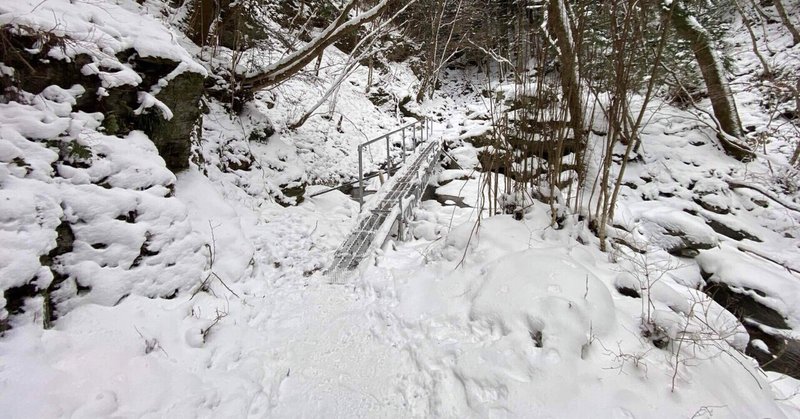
(181, 95)
(44, 71)
(379, 97)
(172, 137)
(262, 135)
(297, 192)
(240, 28)
(480, 140)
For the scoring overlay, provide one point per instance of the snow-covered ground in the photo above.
(496, 318)
(530, 324)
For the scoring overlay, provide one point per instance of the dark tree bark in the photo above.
(294, 62)
(787, 22)
(558, 21)
(204, 12)
(712, 70)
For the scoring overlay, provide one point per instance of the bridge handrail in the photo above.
(425, 127)
(393, 205)
(398, 129)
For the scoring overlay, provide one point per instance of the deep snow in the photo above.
(502, 319)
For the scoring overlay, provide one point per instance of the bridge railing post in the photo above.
(400, 219)
(428, 128)
(388, 159)
(404, 145)
(425, 128)
(360, 177)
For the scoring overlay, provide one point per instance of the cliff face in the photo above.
(123, 87)
(99, 109)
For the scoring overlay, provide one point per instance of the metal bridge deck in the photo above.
(392, 203)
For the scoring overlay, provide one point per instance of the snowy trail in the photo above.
(334, 365)
(412, 336)
(345, 350)
(326, 354)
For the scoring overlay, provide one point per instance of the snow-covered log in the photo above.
(294, 62)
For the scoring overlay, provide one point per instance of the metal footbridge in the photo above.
(388, 211)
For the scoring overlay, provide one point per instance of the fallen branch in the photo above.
(788, 205)
(782, 264)
(213, 252)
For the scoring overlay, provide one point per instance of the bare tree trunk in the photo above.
(369, 74)
(203, 15)
(711, 68)
(795, 160)
(753, 40)
(318, 64)
(342, 26)
(795, 156)
(787, 22)
(558, 20)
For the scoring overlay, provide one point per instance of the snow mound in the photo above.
(101, 29)
(672, 229)
(546, 294)
(86, 217)
(746, 271)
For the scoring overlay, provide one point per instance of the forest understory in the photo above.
(611, 230)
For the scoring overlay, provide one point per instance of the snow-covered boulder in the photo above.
(676, 231)
(548, 295)
(131, 66)
(85, 217)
